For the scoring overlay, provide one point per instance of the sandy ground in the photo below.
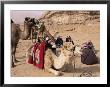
(81, 33)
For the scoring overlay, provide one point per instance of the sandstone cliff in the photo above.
(69, 17)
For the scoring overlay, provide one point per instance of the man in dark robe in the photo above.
(88, 56)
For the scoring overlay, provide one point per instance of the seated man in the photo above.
(50, 45)
(69, 39)
(88, 56)
(59, 42)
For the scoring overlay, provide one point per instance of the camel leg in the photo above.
(12, 62)
(57, 73)
(13, 57)
(32, 39)
(15, 60)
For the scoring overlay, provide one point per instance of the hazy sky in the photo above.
(18, 16)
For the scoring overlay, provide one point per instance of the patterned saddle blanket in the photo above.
(37, 57)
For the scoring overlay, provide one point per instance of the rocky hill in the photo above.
(69, 17)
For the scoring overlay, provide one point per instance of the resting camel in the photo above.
(54, 64)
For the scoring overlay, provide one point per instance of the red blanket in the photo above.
(37, 57)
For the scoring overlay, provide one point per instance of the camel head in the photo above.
(67, 49)
(30, 21)
(27, 18)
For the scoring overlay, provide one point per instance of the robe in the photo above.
(88, 57)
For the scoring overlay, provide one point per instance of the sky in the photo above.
(18, 16)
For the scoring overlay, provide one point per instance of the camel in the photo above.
(54, 64)
(14, 41)
(17, 34)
